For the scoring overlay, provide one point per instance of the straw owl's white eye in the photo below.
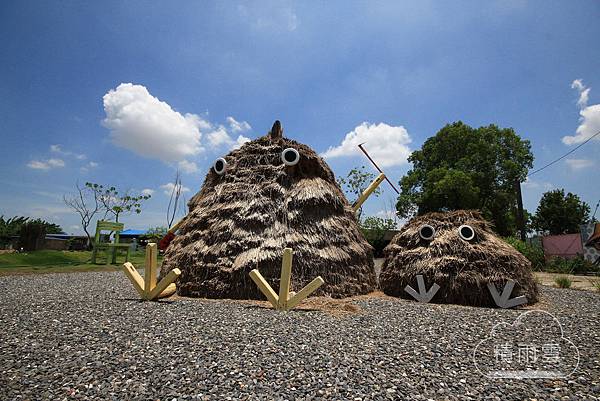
(466, 232)
(290, 157)
(220, 166)
(426, 232)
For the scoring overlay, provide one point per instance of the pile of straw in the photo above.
(243, 219)
(461, 268)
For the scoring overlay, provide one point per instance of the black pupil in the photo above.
(289, 156)
(427, 232)
(219, 165)
(466, 232)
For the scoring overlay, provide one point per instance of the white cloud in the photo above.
(240, 141)
(58, 149)
(584, 92)
(187, 167)
(589, 120)
(45, 164)
(147, 191)
(237, 126)
(88, 167)
(168, 188)
(532, 184)
(220, 137)
(387, 145)
(579, 164)
(149, 127)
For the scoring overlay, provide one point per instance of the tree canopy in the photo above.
(467, 168)
(558, 213)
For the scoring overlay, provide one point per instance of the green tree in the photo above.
(558, 213)
(355, 183)
(115, 203)
(467, 168)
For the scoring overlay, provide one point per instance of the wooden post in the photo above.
(150, 268)
(520, 213)
(164, 283)
(368, 192)
(284, 283)
(264, 287)
(134, 277)
(305, 292)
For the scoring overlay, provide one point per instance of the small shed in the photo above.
(566, 246)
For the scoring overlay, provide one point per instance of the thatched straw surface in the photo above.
(243, 220)
(461, 268)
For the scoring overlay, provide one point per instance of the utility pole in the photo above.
(520, 216)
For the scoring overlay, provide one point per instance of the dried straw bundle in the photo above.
(243, 219)
(461, 268)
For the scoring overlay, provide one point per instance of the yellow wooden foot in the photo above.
(286, 300)
(147, 287)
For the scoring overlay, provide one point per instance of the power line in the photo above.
(565, 155)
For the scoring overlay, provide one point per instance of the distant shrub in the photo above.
(577, 265)
(535, 253)
(563, 282)
(374, 229)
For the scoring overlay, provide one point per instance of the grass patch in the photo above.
(47, 261)
(563, 282)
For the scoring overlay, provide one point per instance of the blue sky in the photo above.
(208, 75)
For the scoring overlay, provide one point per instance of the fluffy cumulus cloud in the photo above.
(46, 164)
(147, 191)
(589, 120)
(151, 128)
(579, 164)
(168, 188)
(387, 145)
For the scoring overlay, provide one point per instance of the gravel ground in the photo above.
(85, 336)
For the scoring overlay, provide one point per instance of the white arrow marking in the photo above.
(422, 295)
(503, 300)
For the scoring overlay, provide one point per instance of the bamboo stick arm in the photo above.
(368, 192)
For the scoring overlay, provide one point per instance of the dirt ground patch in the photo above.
(578, 282)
